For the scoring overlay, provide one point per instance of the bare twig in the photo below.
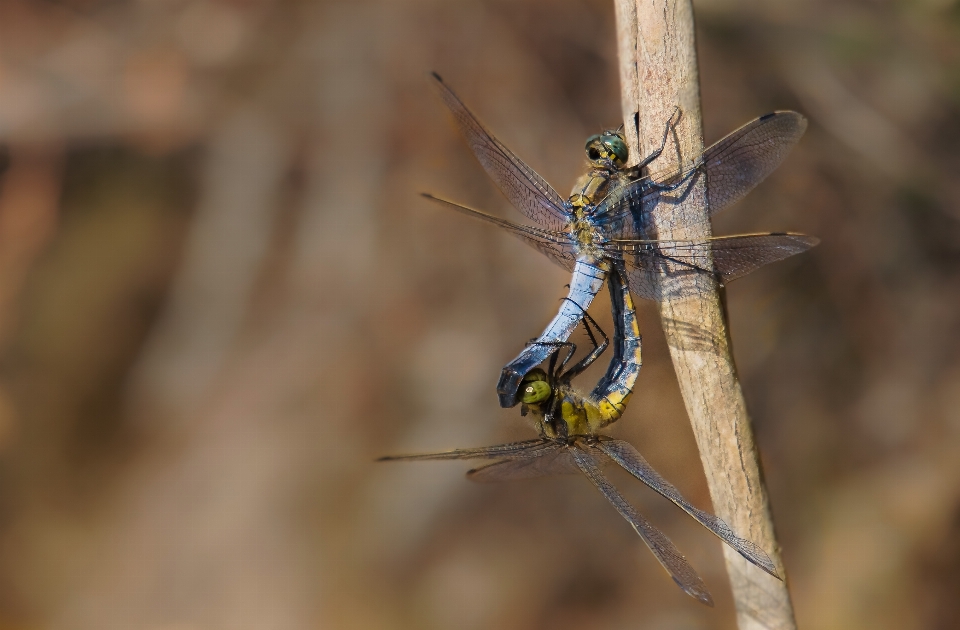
(658, 68)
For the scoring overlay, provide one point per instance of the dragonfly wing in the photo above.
(736, 256)
(732, 167)
(745, 157)
(554, 245)
(624, 454)
(520, 184)
(664, 550)
(552, 462)
(663, 270)
(659, 270)
(516, 450)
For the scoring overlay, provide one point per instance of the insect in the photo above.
(569, 424)
(610, 217)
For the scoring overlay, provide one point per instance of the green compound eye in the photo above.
(616, 145)
(533, 392)
(609, 145)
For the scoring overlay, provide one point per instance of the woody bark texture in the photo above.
(658, 70)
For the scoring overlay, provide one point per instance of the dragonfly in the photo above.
(569, 425)
(612, 213)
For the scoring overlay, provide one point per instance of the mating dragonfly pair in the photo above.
(607, 230)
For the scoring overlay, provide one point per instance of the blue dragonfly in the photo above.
(612, 213)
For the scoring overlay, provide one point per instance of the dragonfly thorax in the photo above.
(583, 232)
(591, 187)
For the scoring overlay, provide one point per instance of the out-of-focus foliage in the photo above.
(221, 298)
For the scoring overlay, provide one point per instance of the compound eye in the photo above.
(534, 392)
(617, 147)
(592, 147)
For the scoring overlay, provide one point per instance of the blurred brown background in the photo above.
(221, 299)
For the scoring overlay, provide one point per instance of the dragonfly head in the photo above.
(609, 146)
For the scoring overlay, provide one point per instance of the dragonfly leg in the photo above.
(598, 348)
(556, 344)
(552, 366)
(572, 349)
(663, 143)
(553, 370)
(680, 182)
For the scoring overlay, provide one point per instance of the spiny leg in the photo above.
(551, 368)
(556, 344)
(663, 143)
(598, 349)
(572, 347)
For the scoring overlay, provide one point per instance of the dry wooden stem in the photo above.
(658, 69)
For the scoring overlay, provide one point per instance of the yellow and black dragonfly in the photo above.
(569, 424)
(612, 214)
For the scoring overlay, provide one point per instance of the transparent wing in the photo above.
(518, 450)
(736, 256)
(520, 184)
(554, 245)
(559, 461)
(633, 462)
(744, 158)
(664, 550)
(656, 269)
(733, 167)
